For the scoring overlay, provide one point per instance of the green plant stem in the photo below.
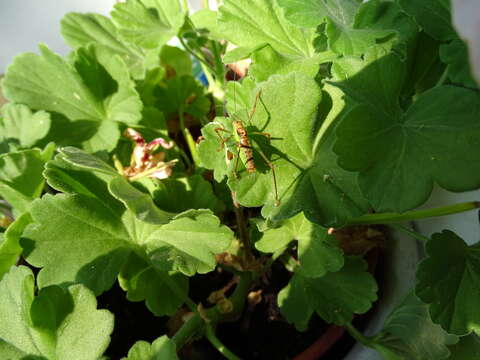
(222, 349)
(188, 331)
(206, 4)
(196, 324)
(358, 336)
(188, 138)
(219, 67)
(185, 6)
(217, 85)
(412, 233)
(390, 218)
(444, 77)
(215, 74)
(184, 156)
(243, 231)
(194, 54)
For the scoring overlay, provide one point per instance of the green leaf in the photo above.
(410, 333)
(424, 68)
(267, 61)
(252, 24)
(307, 176)
(55, 324)
(143, 282)
(181, 194)
(318, 252)
(466, 349)
(100, 258)
(161, 349)
(80, 30)
(404, 153)
(12, 353)
(375, 79)
(189, 243)
(176, 59)
(455, 55)
(352, 27)
(104, 238)
(182, 94)
(381, 16)
(65, 177)
(309, 13)
(336, 296)
(84, 160)
(240, 53)
(153, 124)
(433, 16)
(102, 94)
(447, 280)
(140, 203)
(211, 154)
(148, 23)
(102, 241)
(21, 124)
(21, 179)
(207, 19)
(10, 249)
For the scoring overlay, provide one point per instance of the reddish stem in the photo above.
(323, 344)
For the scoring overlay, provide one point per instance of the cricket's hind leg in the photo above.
(272, 168)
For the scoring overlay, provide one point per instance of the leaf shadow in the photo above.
(100, 274)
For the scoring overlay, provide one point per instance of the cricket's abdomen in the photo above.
(245, 145)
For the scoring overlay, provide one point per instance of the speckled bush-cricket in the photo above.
(244, 144)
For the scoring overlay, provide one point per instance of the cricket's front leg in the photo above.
(222, 139)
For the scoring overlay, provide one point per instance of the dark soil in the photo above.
(261, 332)
(133, 322)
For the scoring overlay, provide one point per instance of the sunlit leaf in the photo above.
(54, 324)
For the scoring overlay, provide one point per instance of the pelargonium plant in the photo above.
(252, 172)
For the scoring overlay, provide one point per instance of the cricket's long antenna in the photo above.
(234, 92)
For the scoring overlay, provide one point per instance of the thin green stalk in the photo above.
(184, 156)
(412, 233)
(185, 6)
(219, 67)
(240, 293)
(216, 81)
(194, 54)
(215, 74)
(243, 231)
(390, 218)
(358, 336)
(192, 146)
(444, 77)
(222, 349)
(206, 4)
(188, 331)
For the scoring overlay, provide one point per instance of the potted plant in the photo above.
(236, 194)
